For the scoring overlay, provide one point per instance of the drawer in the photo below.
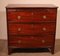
(44, 17)
(31, 41)
(18, 18)
(20, 28)
(21, 16)
(32, 28)
(44, 11)
(44, 28)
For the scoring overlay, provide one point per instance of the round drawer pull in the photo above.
(19, 29)
(44, 29)
(19, 41)
(19, 17)
(43, 41)
(44, 17)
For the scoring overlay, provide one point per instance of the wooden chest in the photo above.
(31, 26)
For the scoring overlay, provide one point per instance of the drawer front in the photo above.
(32, 15)
(44, 15)
(21, 12)
(19, 17)
(31, 41)
(20, 28)
(32, 28)
(44, 28)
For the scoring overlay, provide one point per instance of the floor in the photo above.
(3, 50)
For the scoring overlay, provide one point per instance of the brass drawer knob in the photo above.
(44, 29)
(19, 29)
(44, 17)
(19, 17)
(19, 41)
(43, 41)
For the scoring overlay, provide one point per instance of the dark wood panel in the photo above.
(33, 15)
(31, 26)
(31, 41)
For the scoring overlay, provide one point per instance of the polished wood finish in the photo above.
(31, 26)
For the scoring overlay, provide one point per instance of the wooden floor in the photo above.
(3, 50)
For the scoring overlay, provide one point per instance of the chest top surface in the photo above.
(31, 6)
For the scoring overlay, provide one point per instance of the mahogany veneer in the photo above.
(31, 26)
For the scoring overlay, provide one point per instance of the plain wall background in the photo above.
(3, 3)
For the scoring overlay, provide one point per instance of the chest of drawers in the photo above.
(31, 26)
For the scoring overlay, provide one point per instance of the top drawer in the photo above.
(31, 15)
(21, 12)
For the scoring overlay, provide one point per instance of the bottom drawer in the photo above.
(31, 41)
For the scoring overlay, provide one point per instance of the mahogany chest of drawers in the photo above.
(31, 26)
